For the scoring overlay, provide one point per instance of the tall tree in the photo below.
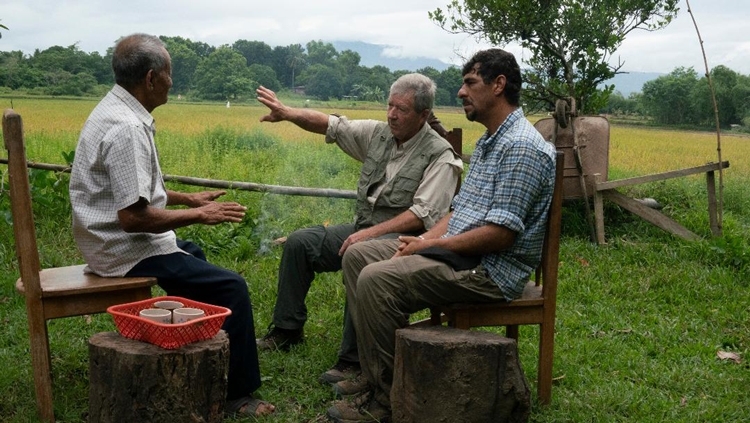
(256, 52)
(296, 59)
(668, 99)
(184, 63)
(323, 81)
(321, 53)
(224, 75)
(571, 41)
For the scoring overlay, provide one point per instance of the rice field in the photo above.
(52, 126)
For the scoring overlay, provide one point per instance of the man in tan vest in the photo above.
(408, 178)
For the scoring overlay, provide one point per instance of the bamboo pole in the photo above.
(720, 211)
(215, 183)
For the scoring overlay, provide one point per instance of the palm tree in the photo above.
(295, 58)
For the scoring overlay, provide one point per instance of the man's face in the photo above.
(477, 97)
(160, 84)
(163, 82)
(403, 120)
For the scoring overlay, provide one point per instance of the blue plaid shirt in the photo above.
(509, 183)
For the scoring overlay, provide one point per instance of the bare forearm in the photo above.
(406, 222)
(140, 217)
(309, 120)
(485, 239)
(155, 220)
(439, 229)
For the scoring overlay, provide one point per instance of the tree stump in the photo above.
(133, 381)
(443, 374)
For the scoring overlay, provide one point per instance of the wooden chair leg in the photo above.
(41, 367)
(511, 331)
(436, 318)
(461, 320)
(544, 376)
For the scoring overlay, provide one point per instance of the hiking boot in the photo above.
(278, 339)
(349, 387)
(362, 409)
(342, 370)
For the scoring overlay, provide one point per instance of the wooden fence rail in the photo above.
(214, 183)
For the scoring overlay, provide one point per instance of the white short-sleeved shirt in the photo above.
(115, 165)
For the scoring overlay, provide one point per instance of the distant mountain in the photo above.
(372, 55)
(632, 82)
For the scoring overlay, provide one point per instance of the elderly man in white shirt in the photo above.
(120, 220)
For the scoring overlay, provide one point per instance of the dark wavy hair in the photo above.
(494, 62)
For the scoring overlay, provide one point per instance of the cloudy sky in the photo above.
(402, 24)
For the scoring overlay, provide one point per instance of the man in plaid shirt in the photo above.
(484, 250)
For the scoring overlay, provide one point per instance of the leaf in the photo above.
(583, 262)
(725, 355)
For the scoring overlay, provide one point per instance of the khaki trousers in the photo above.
(383, 291)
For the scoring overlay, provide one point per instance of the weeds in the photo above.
(639, 320)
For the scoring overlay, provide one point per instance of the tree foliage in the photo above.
(224, 75)
(571, 42)
(681, 98)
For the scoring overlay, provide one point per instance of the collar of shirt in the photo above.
(135, 106)
(409, 145)
(488, 139)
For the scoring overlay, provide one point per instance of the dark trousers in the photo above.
(306, 252)
(192, 277)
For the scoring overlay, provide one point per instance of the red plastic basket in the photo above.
(169, 336)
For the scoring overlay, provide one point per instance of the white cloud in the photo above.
(401, 24)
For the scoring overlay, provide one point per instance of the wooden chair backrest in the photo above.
(20, 194)
(546, 273)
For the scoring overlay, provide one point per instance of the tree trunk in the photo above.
(446, 375)
(133, 381)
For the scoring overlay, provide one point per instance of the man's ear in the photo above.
(500, 82)
(150, 79)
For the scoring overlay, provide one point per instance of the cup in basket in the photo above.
(186, 314)
(157, 315)
(169, 305)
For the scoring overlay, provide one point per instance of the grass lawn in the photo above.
(640, 321)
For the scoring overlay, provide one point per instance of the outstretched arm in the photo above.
(141, 217)
(307, 119)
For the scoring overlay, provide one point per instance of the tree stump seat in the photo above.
(442, 374)
(133, 381)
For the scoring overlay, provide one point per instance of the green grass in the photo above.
(639, 320)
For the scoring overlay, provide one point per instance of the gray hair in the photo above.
(134, 56)
(422, 87)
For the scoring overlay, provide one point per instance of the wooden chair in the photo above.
(55, 292)
(535, 307)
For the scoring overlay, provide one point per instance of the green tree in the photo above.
(288, 62)
(224, 75)
(570, 42)
(617, 104)
(448, 83)
(668, 99)
(323, 81)
(256, 52)
(321, 53)
(184, 63)
(264, 75)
